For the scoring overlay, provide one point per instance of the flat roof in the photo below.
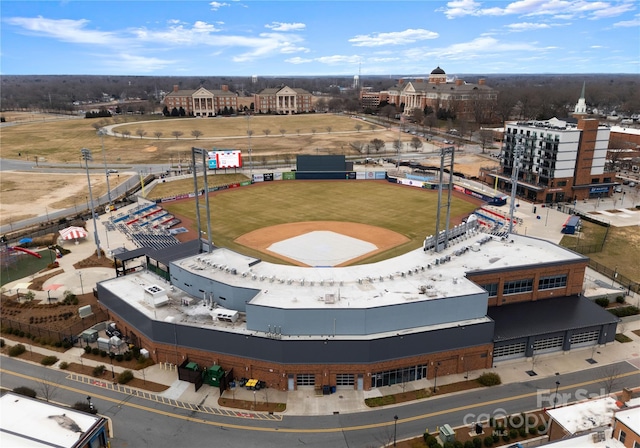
(630, 418)
(600, 439)
(585, 416)
(546, 316)
(28, 422)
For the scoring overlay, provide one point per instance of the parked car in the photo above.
(112, 171)
(618, 189)
(632, 184)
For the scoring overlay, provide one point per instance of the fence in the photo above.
(615, 276)
(68, 334)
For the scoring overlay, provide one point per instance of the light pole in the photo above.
(395, 427)
(81, 286)
(615, 276)
(435, 379)
(86, 155)
(249, 134)
(90, 404)
(555, 397)
(101, 132)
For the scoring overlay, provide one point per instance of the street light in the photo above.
(395, 425)
(90, 404)
(555, 397)
(615, 276)
(101, 132)
(81, 286)
(86, 156)
(435, 379)
(249, 134)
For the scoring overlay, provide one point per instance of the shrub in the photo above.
(495, 438)
(64, 365)
(533, 431)
(458, 444)
(448, 445)
(625, 311)
(17, 350)
(513, 433)
(128, 356)
(469, 444)
(488, 441)
(603, 302)
(99, 370)
(95, 351)
(119, 357)
(1, 343)
(26, 391)
(489, 379)
(430, 440)
(21, 333)
(49, 360)
(87, 349)
(620, 299)
(103, 353)
(477, 443)
(541, 428)
(125, 377)
(522, 432)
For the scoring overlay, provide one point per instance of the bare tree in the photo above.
(266, 132)
(372, 126)
(96, 125)
(177, 134)
(416, 143)
(141, 132)
(611, 379)
(358, 126)
(298, 132)
(158, 134)
(313, 131)
(48, 388)
(283, 131)
(377, 144)
(126, 133)
(397, 145)
(486, 137)
(358, 146)
(418, 115)
(196, 133)
(328, 128)
(534, 360)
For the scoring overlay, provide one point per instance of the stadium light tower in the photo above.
(249, 134)
(517, 153)
(102, 132)
(86, 156)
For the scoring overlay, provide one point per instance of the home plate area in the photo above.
(322, 248)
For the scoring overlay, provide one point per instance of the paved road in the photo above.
(139, 421)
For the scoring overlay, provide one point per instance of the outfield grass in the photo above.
(407, 210)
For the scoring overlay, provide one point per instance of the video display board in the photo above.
(219, 159)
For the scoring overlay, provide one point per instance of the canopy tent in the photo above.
(52, 287)
(73, 233)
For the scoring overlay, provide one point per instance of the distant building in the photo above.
(283, 100)
(202, 102)
(466, 101)
(28, 422)
(557, 161)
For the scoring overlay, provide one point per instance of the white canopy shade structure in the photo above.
(73, 233)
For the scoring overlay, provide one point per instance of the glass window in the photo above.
(509, 350)
(547, 344)
(345, 379)
(518, 286)
(491, 288)
(623, 436)
(305, 379)
(585, 337)
(551, 282)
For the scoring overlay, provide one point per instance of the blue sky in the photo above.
(307, 38)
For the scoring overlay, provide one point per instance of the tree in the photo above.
(431, 121)
(416, 143)
(48, 388)
(417, 115)
(283, 131)
(328, 128)
(611, 379)
(158, 134)
(266, 132)
(313, 131)
(377, 144)
(196, 133)
(358, 126)
(357, 146)
(126, 133)
(388, 111)
(141, 132)
(486, 137)
(177, 134)
(397, 145)
(298, 132)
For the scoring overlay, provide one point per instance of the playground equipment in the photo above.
(26, 251)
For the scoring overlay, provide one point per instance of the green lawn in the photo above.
(407, 210)
(23, 265)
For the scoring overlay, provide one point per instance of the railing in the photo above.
(615, 277)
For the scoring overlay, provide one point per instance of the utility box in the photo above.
(447, 434)
(90, 336)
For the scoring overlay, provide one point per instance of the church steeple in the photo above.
(581, 106)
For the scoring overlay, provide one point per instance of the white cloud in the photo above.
(65, 30)
(129, 63)
(217, 5)
(559, 9)
(629, 23)
(480, 47)
(298, 60)
(178, 34)
(408, 36)
(527, 26)
(266, 44)
(279, 26)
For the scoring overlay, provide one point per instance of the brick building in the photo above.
(283, 100)
(202, 102)
(419, 315)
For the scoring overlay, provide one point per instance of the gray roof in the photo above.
(546, 316)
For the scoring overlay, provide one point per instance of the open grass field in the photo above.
(406, 210)
(60, 141)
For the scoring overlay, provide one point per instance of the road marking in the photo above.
(305, 430)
